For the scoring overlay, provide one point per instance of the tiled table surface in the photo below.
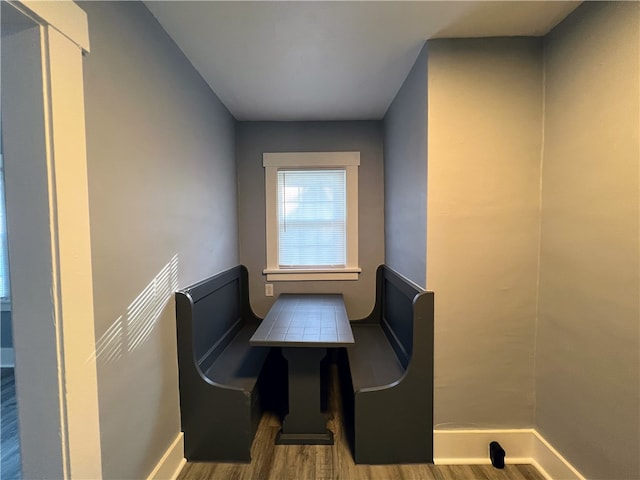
(305, 321)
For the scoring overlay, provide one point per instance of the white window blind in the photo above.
(312, 218)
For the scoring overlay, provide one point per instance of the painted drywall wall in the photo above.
(6, 339)
(588, 342)
(405, 175)
(6, 332)
(484, 144)
(162, 193)
(255, 138)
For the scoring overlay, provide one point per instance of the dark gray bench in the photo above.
(220, 375)
(388, 376)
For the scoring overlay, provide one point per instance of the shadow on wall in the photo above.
(131, 330)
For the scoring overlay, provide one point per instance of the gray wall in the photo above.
(588, 342)
(6, 332)
(405, 176)
(162, 194)
(485, 139)
(255, 138)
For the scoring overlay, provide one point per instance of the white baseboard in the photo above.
(450, 447)
(171, 463)
(549, 461)
(524, 446)
(6, 357)
(471, 447)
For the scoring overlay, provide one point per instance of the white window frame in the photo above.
(272, 162)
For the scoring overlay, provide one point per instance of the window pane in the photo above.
(312, 218)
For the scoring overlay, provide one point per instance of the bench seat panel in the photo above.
(239, 365)
(369, 370)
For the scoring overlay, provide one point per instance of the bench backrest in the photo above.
(396, 297)
(397, 313)
(399, 305)
(215, 309)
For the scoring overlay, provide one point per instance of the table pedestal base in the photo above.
(305, 424)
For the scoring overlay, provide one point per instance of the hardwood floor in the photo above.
(278, 462)
(335, 462)
(10, 456)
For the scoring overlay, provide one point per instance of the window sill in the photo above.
(284, 275)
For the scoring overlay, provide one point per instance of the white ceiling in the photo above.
(339, 60)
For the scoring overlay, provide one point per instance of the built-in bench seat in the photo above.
(239, 365)
(220, 374)
(370, 371)
(388, 376)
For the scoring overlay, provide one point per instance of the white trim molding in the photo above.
(171, 463)
(301, 275)
(522, 446)
(550, 462)
(64, 16)
(471, 447)
(71, 242)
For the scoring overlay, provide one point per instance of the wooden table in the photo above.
(305, 326)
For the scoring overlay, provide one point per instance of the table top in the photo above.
(294, 320)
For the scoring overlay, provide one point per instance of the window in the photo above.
(312, 215)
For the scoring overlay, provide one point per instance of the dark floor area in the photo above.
(335, 462)
(10, 457)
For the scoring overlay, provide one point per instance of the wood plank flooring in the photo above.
(335, 462)
(10, 456)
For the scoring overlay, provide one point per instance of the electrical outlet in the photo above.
(268, 289)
